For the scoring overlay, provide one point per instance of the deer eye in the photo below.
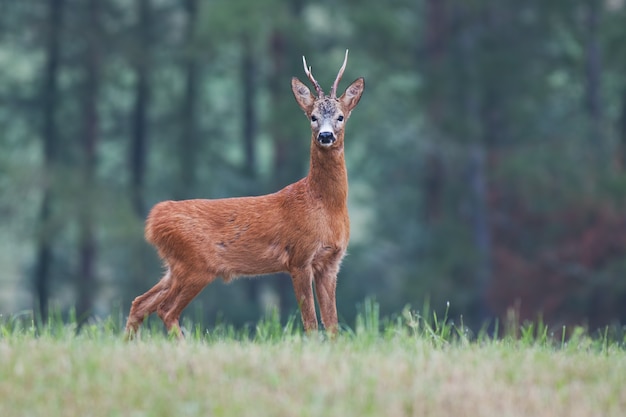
(313, 119)
(340, 118)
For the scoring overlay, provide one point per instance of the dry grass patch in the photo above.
(396, 376)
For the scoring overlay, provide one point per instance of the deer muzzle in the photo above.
(326, 138)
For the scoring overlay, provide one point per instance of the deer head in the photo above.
(328, 114)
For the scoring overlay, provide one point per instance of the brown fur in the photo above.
(302, 229)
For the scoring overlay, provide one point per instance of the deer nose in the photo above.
(326, 138)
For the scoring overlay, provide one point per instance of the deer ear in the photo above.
(302, 94)
(350, 98)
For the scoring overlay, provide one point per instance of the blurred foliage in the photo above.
(487, 158)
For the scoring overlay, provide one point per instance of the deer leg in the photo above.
(302, 279)
(177, 298)
(146, 304)
(325, 288)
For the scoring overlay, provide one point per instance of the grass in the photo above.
(407, 365)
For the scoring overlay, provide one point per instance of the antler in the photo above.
(333, 90)
(307, 71)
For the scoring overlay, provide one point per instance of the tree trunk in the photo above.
(281, 154)
(249, 114)
(138, 150)
(481, 230)
(188, 141)
(436, 40)
(621, 162)
(87, 252)
(49, 134)
(593, 73)
(138, 147)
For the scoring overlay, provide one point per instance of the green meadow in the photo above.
(401, 366)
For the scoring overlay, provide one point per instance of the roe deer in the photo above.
(302, 229)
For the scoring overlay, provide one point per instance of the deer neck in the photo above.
(328, 176)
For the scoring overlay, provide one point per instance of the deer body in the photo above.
(302, 229)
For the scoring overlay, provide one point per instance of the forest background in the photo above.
(487, 158)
